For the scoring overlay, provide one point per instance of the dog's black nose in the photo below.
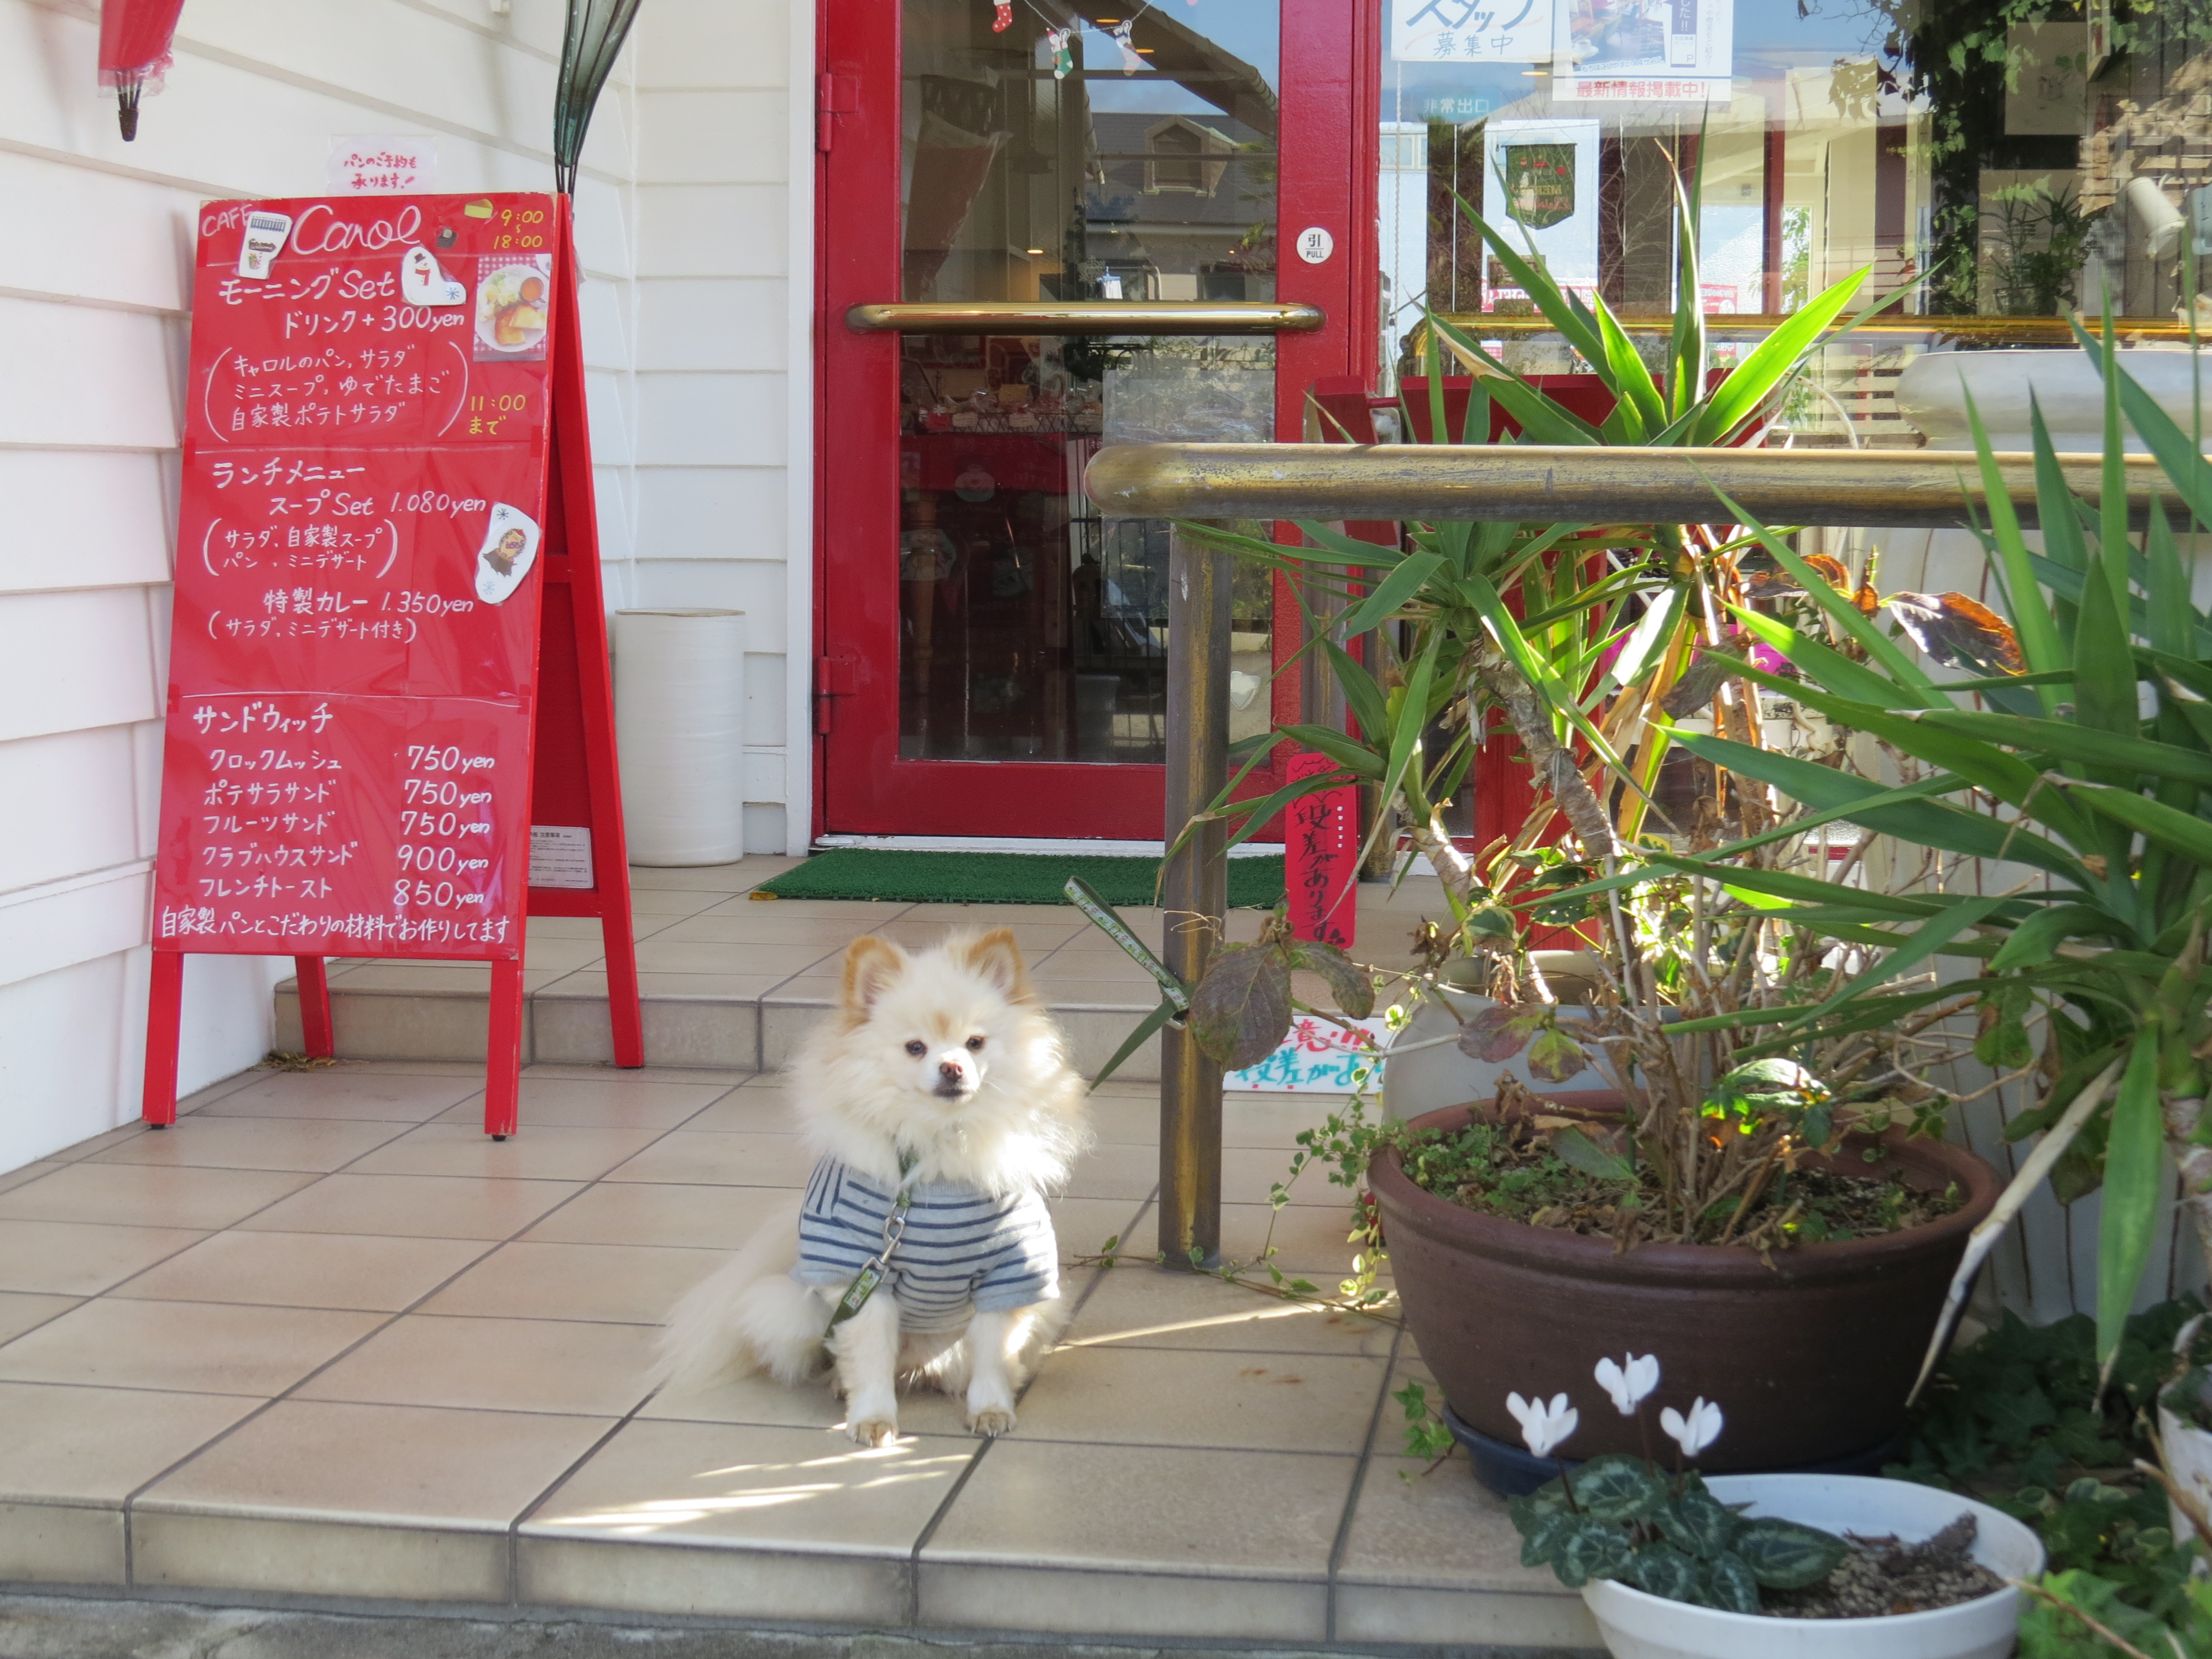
(950, 1070)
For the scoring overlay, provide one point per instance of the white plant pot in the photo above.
(1636, 1625)
(2189, 1461)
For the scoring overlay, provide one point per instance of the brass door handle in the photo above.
(1087, 317)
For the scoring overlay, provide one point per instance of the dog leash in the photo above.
(873, 1269)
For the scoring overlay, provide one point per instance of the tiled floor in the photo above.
(731, 981)
(322, 1339)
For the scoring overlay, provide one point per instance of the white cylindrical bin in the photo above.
(679, 731)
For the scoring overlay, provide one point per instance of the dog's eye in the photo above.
(917, 1048)
(974, 1045)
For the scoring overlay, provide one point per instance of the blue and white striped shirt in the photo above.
(964, 1250)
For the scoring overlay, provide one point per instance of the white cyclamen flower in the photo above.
(1542, 1425)
(1696, 1431)
(1629, 1384)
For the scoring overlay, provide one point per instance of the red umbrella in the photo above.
(134, 52)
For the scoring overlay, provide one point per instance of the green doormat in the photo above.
(862, 873)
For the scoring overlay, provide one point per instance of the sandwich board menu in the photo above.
(389, 721)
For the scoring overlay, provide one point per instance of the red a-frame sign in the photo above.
(389, 724)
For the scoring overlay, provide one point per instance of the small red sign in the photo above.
(1322, 836)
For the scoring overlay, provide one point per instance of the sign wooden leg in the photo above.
(316, 1036)
(503, 1058)
(165, 1008)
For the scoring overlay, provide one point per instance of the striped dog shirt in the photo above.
(964, 1251)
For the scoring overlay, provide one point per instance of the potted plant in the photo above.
(1674, 1565)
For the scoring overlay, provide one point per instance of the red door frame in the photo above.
(1328, 138)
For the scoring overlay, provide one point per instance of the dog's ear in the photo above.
(996, 956)
(871, 965)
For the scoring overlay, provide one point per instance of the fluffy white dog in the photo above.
(939, 1074)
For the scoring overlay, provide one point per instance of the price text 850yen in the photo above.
(434, 896)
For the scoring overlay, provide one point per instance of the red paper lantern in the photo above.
(134, 52)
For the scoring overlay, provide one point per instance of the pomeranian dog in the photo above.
(940, 1076)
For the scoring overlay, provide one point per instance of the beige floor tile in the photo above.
(626, 1283)
(345, 1092)
(659, 955)
(291, 1556)
(686, 1157)
(414, 1207)
(149, 1195)
(197, 1347)
(785, 1488)
(439, 978)
(391, 1464)
(100, 1445)
(1303, 1402)
(1089, 955)
(21, 1311)
(243, 1143)
(1228, 1513)
(1555, 1621)
(923, 1408)
(651, 904)
(1108, 1171)
(589, 984)
(690, 1075)
(62, 1544)
(1141, 1306)
(23, 1175)
(361, 1272)
(538, 1152)
(747, 1111)
(642, 1212)
(494, 1364)
(1419, 1524)
(724, 879)
(564, 927)
(66, 1258)
(1143, 1606)
(1084, 1224)
(864, 913)
(1038, 937)
(614, 1101)
(762, 924)
(1308, 1238)
(1115, 993)
(1250, 1173)
(866, 1591)
(93, 1145)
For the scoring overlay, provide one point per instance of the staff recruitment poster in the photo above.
(388, 671)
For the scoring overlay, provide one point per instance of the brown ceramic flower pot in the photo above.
(1810, 1358)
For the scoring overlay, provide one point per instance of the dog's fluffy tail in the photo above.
(750, 1314)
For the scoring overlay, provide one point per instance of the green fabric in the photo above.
(858, 873)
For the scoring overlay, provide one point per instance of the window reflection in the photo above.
(1070, 157)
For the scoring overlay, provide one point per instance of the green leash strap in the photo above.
(872, 1271)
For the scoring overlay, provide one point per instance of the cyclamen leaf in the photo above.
(1731, 1585)
(1241, 1011)
(1541, 1537)
(1499, 1032)
(1784, 1555)
(1353, 990)
(1662, 1570)
(1590, 1549)
(1619, 1487)
(1699, 1522)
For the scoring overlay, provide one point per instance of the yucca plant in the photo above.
(2080, 748)
(1578, 634)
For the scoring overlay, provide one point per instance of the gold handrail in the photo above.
(1518, 482)
(1087, 317)
(1994, 331)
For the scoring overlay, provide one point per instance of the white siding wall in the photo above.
(724, 474)
(694, 315)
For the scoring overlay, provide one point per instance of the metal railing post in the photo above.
(1195, 893)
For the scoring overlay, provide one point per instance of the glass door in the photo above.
(1045, 230)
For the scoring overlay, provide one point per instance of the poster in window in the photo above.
(1471, 31)
(1545, 174)
(1643, 51)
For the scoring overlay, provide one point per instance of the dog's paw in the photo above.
(872, 1430)
(991, 1421)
